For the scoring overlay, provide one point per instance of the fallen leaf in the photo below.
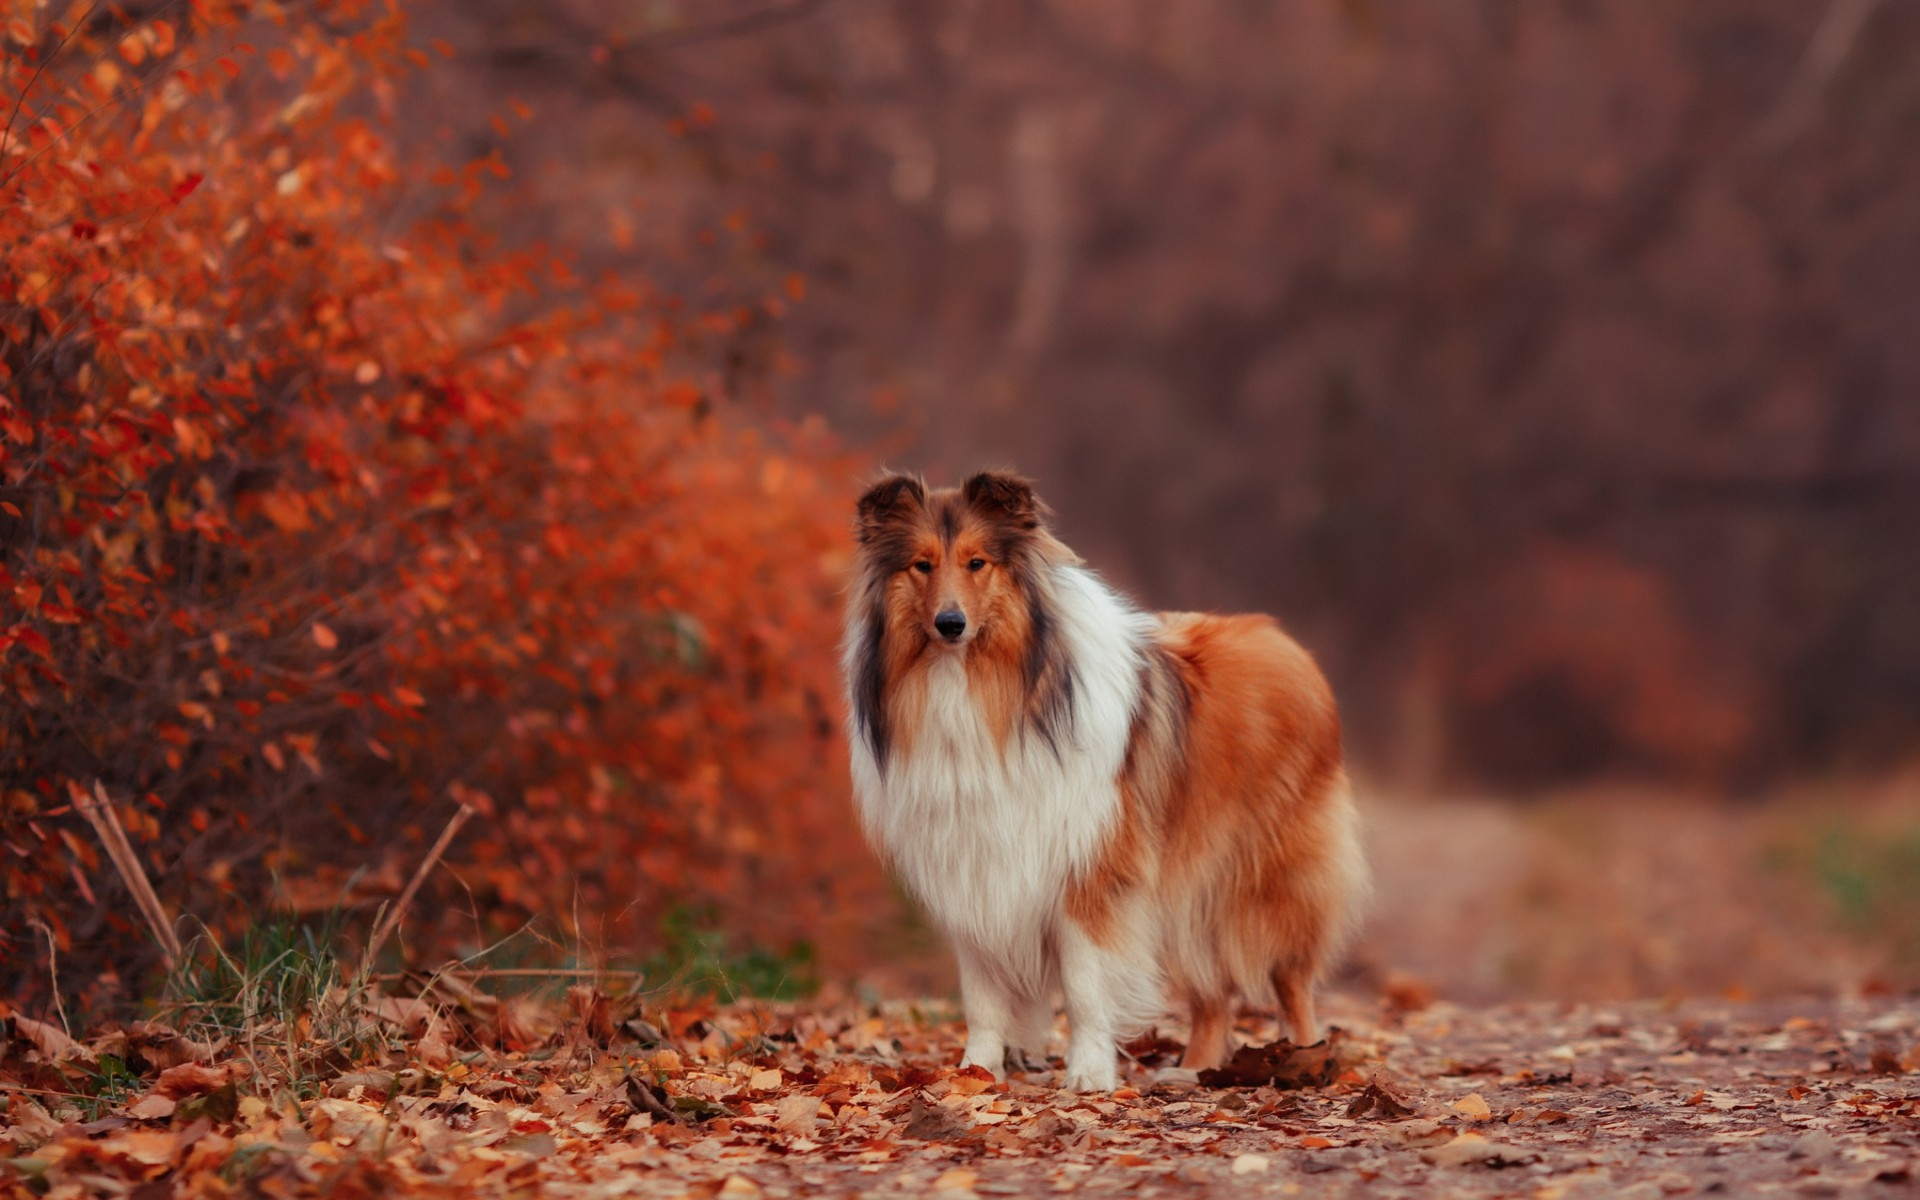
(797, 1115)
(1049, 1125)
(152, 1107)
(355, 1122)
(971, 1081)
(1473, 1107)
(1379, 1101)
(700, 1108)
(932, 1123)
(1250, 1164)
(49, 1040)
(1471, 1148)
(191, 1079)
(373, 1085)
(1419, 1133)
(161, 1046)
(153, 1147)
(592, 1013)
(1280, 1064)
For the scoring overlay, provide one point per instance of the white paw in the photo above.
(996, 1064)
(1091, 1077)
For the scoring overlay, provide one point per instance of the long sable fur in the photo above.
(888, 524)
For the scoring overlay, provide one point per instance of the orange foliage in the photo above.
(318, 508)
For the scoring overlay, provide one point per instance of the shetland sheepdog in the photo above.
(1131, 808)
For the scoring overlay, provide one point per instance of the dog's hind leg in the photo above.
(1207, 1045)
(1293, 983)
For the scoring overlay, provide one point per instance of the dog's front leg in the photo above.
(991, 1012)
(1097, 982)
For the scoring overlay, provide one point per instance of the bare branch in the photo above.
(1827, 51)
(396, 914)
(99, 812)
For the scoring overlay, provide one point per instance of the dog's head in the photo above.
(951, 562)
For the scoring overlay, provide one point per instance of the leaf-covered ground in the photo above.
(1812, 1098)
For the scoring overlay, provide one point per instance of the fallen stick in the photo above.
(509, 973)
(99, 812)
(391, 920)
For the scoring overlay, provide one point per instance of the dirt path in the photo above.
(1814, 1098)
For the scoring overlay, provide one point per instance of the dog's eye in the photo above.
(976, 564)
(924, 567)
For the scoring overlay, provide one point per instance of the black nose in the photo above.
(951, 624)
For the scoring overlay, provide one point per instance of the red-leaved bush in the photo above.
(320, 512)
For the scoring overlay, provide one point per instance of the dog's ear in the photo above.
(1005, 497)
(891, 500)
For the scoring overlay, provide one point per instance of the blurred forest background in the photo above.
(1548, 368)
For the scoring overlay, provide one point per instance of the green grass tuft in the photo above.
(695, 957)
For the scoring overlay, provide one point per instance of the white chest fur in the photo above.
(987, 834)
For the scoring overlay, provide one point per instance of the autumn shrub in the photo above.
(322, 512)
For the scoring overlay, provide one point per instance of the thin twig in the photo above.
(510, 973)
(19, 102)
(396, 914)
(53, 972)
(100, 814)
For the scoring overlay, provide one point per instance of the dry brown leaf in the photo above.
(1281, 1064)
(931, 1122)
(192, 1079)
(152, 1107)
(372, 1085)
(1377, 1099)
(153, 1147)
(1049, 1125)
(971, 1081)
(356, 1122)
(1473, 1107)
(797, 1115)
(592, 1013)
(1471, 1148)
(50, 1040)
(1419, 1133)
